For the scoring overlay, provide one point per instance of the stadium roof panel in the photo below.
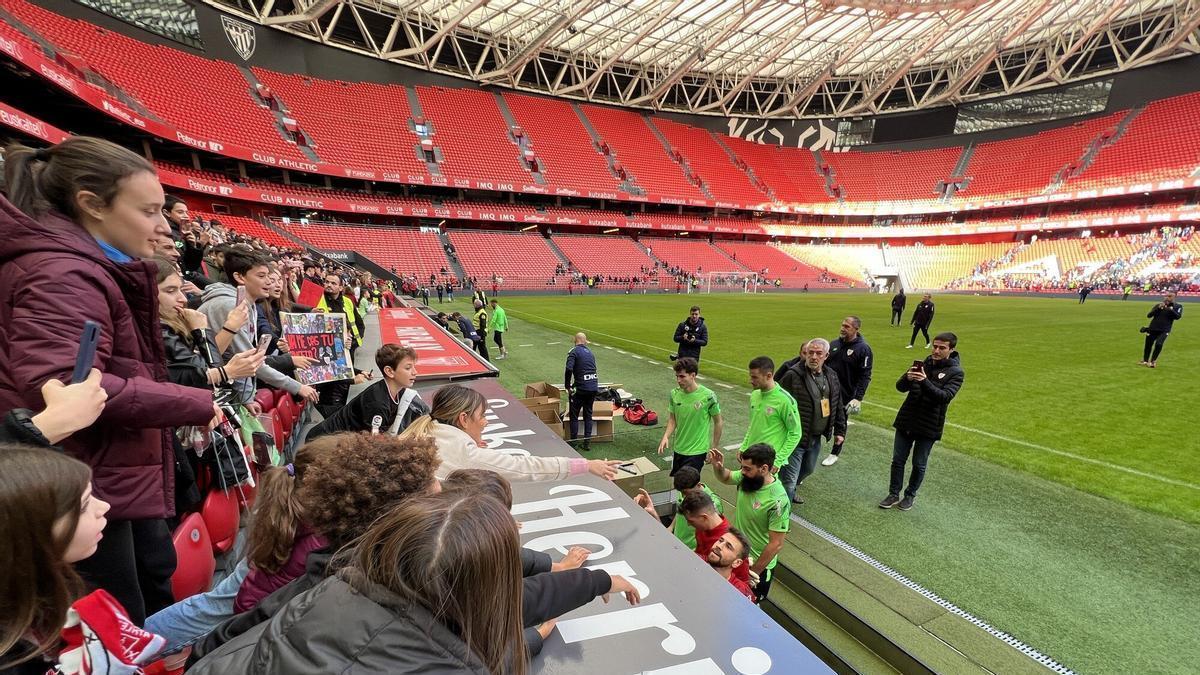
(768, 58)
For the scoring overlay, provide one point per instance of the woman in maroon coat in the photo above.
(81, 214)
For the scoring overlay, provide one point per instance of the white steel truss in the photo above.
(754, 58)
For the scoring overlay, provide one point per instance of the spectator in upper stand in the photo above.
(456, 423)
(251, 272)
(387, 406)
(465, 616)
(80, 213)
(921, 319)
(691, 334)
(49, 519)
(69, 408)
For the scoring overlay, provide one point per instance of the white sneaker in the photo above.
(830, 460)
(928, 346)
(908, 347)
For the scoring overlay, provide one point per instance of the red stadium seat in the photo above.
(266, 399)
(245, 493)
(221, 517)
(195, 564)
(281, 435)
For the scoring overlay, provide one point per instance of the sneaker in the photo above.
(830, 460)
(672, 357)
(908, 347)
(797, 499)
(1143, 363)
(1152, 364)
(928, 346)
(889, 501)
(906, 503)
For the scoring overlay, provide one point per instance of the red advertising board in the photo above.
(439, 355)
(30, 125)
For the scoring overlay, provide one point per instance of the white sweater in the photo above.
(458, 451)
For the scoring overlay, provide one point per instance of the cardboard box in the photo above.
(602, 423)
(538, 404)
(631, 475)
(536, 389)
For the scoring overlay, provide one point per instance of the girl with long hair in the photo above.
(433, 586)
(279, 539)
(50, 519)
(77, 217)
(456, 423)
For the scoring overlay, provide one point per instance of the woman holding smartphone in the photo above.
(77, 218)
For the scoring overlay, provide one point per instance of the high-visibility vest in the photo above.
(348, 310)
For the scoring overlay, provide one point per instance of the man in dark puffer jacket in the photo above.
(922, 416)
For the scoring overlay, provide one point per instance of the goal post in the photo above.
(731, 282)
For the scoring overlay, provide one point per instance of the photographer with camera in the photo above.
(1162, 317)
(691, 334)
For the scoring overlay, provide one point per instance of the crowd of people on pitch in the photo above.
(384, 544)
(795, 407)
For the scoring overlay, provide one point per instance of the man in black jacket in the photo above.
(691, 334)
(818, 395)
(852, 359)
(899, 300)
(921, 319)
(930, 386)
(581, 370)
(1162, 318)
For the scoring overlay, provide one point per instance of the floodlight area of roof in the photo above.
(896, 7)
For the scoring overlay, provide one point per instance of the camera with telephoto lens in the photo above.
(1144, 329)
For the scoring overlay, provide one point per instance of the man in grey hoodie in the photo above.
(250, 271)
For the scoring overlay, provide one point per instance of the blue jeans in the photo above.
(800, 465)
(190, 619)
(901, 447)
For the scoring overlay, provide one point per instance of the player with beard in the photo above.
(729, 556)
(763, 509)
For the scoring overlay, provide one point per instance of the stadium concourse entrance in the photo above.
(689, 621)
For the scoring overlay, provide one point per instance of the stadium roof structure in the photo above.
(757, 58)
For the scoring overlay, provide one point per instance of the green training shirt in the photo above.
(762, 512)
(694, 415)
(499, 320)
(682, 529)
(774, 420)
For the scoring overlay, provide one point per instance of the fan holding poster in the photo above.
(322, 337)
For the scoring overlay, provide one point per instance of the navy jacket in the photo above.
(923, 413)
(1163, 318)
(899, 300)
(852, 361)
(923, 314)
(581, 368)
(698, 334)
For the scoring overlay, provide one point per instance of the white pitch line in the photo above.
(722, 384)
(1062, 453)
(1034, 446)
(606, 346)
(701, 377)
(652, 362)
(553, 343)
(636, 357)
(524, 345)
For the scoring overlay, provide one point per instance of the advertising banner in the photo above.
(690, 620)
(439, 354)
(322, 337)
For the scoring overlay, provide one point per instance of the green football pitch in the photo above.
(1062, 505)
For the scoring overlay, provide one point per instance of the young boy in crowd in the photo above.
(387, 406)
(252, 272)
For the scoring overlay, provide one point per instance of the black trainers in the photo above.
(797, 499)
(672, 357)
(889, 501)
(906, 503)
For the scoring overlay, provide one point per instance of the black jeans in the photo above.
(1156, 341)
(481, 346)
(134, 562)
(901, 447)
(581, 401)
(924, 331)
(896, 316)
(498, 338)
(679, 461)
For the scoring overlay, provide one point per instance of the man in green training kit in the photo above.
(694, 418)
(774, 418)
(499, 326)
(763, 509)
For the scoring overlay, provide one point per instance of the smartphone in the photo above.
(87, 351)
(918, 365)
(241, 295)
(264, 341)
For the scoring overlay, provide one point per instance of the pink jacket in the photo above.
(53, 277)
(259, 584)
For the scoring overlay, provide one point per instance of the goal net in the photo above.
(731, 282)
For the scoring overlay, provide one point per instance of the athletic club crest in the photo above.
(241, 36)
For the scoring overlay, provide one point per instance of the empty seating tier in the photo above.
(523, 260)
(406, 251)
(606, 256)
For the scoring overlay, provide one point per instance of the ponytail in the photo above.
(38, 181)
(418, 428)
(278, 512)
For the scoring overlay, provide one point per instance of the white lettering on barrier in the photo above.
(58, 78)
(494, 435)
(624, 569)
(677, 643)
(563, 541)
(418, 338)
(25, 124)
(11, 48)
(568, 517)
